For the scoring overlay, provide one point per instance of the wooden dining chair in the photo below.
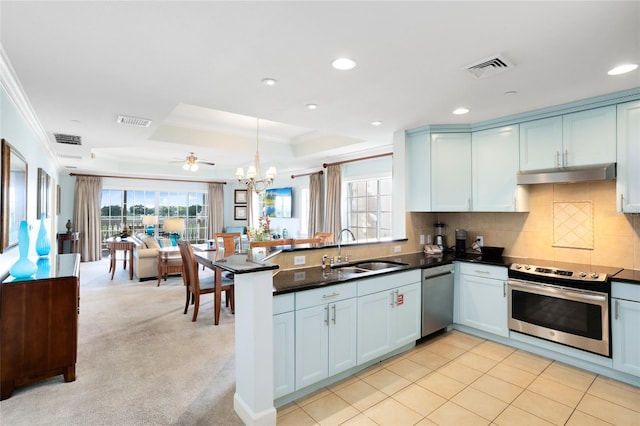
(327, 237)
(231, 243)
(215, 284)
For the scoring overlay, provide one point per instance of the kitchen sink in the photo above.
(376, 265)
(350, 270)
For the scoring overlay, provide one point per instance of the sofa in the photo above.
(145, 255)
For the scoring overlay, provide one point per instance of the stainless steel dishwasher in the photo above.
(437, 298)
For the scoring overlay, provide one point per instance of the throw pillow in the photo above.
(151, 242)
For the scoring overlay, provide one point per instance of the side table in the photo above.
(126, 246)
(169, 262)
(68, 242)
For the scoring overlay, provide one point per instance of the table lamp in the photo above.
(150, 221)
(174, 226)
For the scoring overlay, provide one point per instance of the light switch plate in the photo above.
(299, 260)
(421, 240)
(397, 249)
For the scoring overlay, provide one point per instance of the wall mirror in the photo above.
(13, 198)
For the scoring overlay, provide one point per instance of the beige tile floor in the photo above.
(458, 379)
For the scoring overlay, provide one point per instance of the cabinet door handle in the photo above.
(504, 289)
(616, 317)
(392, 299)
(565, 160)
(622, 203)
(482, 272)
(326, 315)
(334, 313)
(558, 159)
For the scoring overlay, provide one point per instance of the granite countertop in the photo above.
(292, 280)
(631, 276)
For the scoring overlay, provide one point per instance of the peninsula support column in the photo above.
(253, 400)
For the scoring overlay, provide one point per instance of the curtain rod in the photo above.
(325, 165)
(144, 178)
(306, 174)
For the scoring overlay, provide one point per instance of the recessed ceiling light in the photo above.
(376, 123)
(344, 64)
(460, 111)
(312, 106)
(622, 69)
(269, 81)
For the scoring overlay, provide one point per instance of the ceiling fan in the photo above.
(191, 162)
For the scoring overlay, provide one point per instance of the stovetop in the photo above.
(575, 275)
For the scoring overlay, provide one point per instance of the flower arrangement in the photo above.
(263, 231)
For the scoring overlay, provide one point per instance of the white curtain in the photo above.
(86, 217)
(333, 216)
(216, 208)
(316, 213)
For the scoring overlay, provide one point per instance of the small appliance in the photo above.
(440, 232)
(461, 243)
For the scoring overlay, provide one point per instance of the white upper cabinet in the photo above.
(578, 139)
(451, 172)
(628, 182)
(541, 144)
(589, 137)
(418, 160)
(494, 155)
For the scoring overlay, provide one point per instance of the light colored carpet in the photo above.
(140, 360)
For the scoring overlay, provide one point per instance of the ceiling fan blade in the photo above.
(207, 162)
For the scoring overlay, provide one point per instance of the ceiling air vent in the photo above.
(68, 139)
(71, 157)
(490, 66)
(133, 121)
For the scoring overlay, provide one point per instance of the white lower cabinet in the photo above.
(388, 313)
(625, 319)
(325, 333)
(481, 297)
(283, 345)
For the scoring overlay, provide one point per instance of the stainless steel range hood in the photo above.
(569, 174)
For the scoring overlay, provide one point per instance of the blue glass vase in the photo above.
(23, 268)
(43, 245)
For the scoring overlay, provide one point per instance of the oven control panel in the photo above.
(551, 272)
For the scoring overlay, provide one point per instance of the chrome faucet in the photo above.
(340, 241)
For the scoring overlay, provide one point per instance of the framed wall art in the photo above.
(240, 196)
(44, 193)
(13, 198)
(240, 213)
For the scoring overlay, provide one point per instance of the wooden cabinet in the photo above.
(625, 302)
(325, 333)
(283, 345)
(481, 297)
(451, 172)
(578, 139)
(388, 313)
(494, 156)
(628, 146)
(39, 325)
(418, 154)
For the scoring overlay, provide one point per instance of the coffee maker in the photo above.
(440, 232)
(461, 243)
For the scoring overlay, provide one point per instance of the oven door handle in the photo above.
(546, 289)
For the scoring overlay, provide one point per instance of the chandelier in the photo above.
(254, 179)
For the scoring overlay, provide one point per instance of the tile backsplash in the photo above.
(585, 213)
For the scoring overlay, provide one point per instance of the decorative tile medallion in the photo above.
(573, 224)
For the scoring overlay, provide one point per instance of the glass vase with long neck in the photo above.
(23, 268)
(43, 245)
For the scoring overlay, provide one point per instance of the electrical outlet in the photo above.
(397, 249)
(480, 240)
(421, 240)
(299, 260)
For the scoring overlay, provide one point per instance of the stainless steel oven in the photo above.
(561, 305)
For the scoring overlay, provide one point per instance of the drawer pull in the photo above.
(327, 296)
(482, 272)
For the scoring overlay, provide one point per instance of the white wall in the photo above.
(16, 130)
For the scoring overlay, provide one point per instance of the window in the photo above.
(369, 208)
(121, 207)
